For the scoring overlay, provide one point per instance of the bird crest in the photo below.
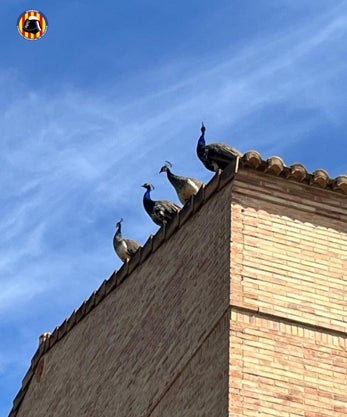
(148, 186)
(165, 167)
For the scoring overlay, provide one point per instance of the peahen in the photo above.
(160, 211)
(216, 155)
(125, 248)
(185, 186)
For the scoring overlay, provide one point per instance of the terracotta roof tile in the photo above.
(296, 172)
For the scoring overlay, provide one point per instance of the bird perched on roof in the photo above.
(160, 211)
(185, 186)
(125, 248)
(216, 155)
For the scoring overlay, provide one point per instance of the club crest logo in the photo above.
(32, 25)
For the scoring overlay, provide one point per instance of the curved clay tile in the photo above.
(297, 172)
(274, 165)
(252, 159)
(320, 178)
(340, 183)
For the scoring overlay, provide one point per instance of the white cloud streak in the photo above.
(74, 149)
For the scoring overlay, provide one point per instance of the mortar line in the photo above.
(322, 329)
(189, 360)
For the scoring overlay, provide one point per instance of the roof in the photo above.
(251, 160)
(296, 172)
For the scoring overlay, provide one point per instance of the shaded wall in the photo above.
(158, 344)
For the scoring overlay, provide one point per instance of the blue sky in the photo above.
(92, 110)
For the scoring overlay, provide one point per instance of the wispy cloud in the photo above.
(70, 154)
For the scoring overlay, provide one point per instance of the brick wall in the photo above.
(289, 299)
(278, 368)
(241, 312)
(158, 344)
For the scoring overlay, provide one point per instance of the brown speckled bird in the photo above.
(125, 248)
(185, 186)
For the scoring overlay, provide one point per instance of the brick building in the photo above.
(237, 308)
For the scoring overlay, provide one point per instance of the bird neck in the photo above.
(147, 195)
(201, 145)
(201, 141)
(169, 174)
(173, 178)
(147, 202)
(118, 234)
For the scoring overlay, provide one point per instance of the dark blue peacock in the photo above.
(160, 211)
(216, 156)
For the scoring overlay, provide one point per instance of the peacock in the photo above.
(185, 186)
(160, 211)
(216, 155)
(125, 248)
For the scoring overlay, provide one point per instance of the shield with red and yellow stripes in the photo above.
(32, 25)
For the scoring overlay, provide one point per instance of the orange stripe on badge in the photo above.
(31, 35)
(25, 18)
(38, 34)
(42, 25)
